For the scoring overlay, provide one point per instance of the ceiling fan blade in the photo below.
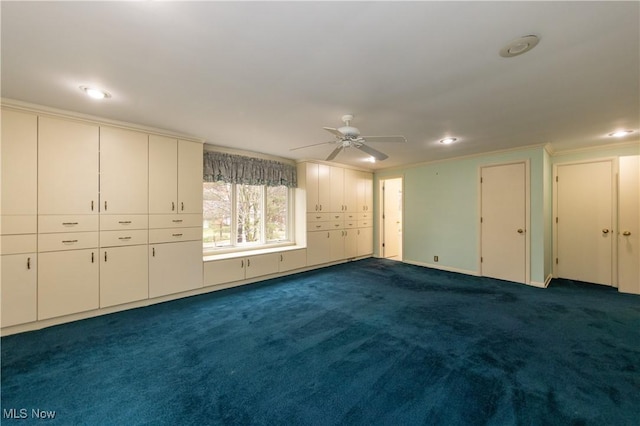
(309, 146)
(334, 131)
(372, 152)
(334, 153)
(384, 138)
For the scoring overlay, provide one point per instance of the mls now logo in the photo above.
(23, 413)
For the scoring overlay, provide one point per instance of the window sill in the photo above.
(210, 256)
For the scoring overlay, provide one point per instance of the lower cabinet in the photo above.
(67, 283)
(318, 247)
(240, 268)
(174, 267)
(19, 288)
(124, 275)
(365, 241)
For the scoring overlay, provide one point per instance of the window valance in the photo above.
(231, 168)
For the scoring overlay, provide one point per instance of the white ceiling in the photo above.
(267, 76)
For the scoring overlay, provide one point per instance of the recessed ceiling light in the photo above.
(519, 46)
(94, 93)
(448, 141)
(620, 133)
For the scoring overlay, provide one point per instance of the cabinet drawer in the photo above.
(19, 224)
(318, 217)
(67, 241)
(365, 223)
(174, 235)
(157, 221)
(351, 216)
(16, 244)
(350, 223)
(318, 226)
(123, 238)
(67, 223)
(365, 216)
(336, 216)
(119, 222)
(336, 224)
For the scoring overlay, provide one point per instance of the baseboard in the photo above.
(441, 267)
(544, 284)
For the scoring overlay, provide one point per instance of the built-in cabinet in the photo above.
(238, 268)
(339, 212)
(18, 221)
(77, 234)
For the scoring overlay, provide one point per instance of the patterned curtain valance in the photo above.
(230, 168)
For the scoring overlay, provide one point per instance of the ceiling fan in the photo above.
(348, 137)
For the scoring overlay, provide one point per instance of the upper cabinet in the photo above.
(19, 163)
(175, 176)
(67, 167)
(123, 171)
(318, 187)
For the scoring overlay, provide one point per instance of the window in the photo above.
(239, 215)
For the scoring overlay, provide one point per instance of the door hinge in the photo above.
(556, 219)
(556, 178)
(481, 180)
(480, 220)
(481, 259)
(556, 260)
(382, 244)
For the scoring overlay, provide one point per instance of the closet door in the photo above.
(629, 225)
(67, 167)
(123, 171)
(503, 222)
(584, 222)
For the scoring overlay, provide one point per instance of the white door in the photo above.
(584, 221)
(392, 218)
(629, 225)
(503, 222)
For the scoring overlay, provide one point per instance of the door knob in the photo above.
(605, 231)
(520, 231)
(626, 233)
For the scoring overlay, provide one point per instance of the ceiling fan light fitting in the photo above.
(448, 141)
(620, 133)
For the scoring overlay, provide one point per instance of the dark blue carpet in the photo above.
(364, 343)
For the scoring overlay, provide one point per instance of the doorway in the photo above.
(584, 217)
(391, 218)
(504, 220)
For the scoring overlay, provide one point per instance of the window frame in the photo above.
(209, 248)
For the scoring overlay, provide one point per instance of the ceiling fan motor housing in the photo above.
(349, 132)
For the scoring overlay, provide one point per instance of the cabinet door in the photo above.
(223, 271)
(294, 259)
(365, 191)
(365, 241)
(336, 245)
(324, 188)
(311, 186)
(318, 247)
(189, 177)
(174, 267)
(19, 163)
(67, 282)
(163, 174)
(67, 167)
(123, 171)
(124, 275)
(263, 264)
(336, 185)
(350, 190)
(350, 243)
(19, 283)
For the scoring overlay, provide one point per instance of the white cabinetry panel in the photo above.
(67, 167)
(124, 275)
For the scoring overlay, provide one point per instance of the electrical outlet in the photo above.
(435, 258)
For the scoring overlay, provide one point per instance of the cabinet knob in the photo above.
(605, 231)
(105, 206)
(28, 263)
(182, 205)
(173, 206)
(626, 233)
(105, 255)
